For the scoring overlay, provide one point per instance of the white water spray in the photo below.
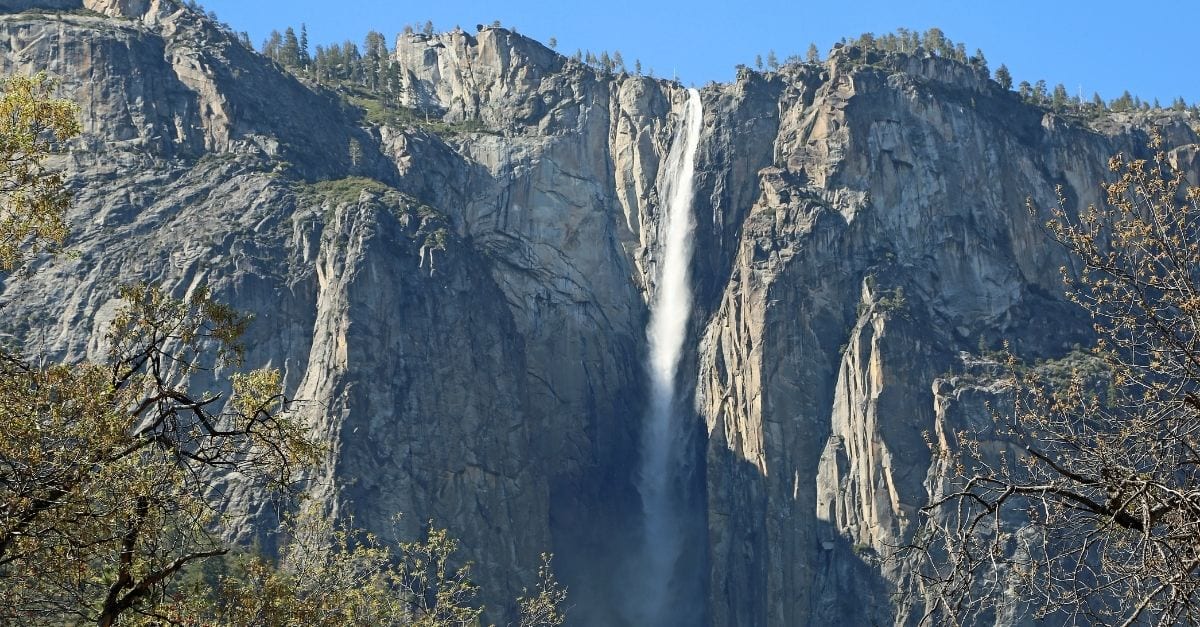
(664, 434)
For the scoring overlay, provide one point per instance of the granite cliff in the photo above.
(466, 310)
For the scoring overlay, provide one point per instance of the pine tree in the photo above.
(772, 60)
(758, 62)
(813, 55)
(1060, 98)
(1026, 90)
(1040, 92)
(935, 42)
(289, 53)
(979, 62)
(305, 58)
(637, 67)
(1003, 77)
(271, 46)
(1124, 102)
(428, 30)
(375, 45)
(553, 43)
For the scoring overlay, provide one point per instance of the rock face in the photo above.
(467, 310)
(14, 6)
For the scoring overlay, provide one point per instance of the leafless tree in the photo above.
(1082, 504)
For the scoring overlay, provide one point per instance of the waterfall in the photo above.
(665, 432)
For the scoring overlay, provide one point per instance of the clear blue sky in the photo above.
(1146, 46)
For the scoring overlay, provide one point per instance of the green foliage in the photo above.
(813, 55)
(335, 574)
(436, 240)
(103, 496)
(340, 191)
(905, 41)
(892, 301)
(33, 199)
(382, 112)
(543, 607)
(1004, 77)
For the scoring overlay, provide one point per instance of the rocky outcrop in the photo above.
(888, 233)
(466, 310)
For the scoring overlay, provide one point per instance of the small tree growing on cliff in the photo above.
(1003, 77)
(813, 55)
(1091, 510)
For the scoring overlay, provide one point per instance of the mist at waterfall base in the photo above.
(669, 591)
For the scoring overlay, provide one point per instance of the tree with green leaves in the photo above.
(1125, 102)
(271, 46)
(772, 60)
(1003, 77)
(1040, 92)
(979, 62)
(1060, 99)
(813, 55)
(936, 42)
(104, 498)
(305, 57)
(333, 574)
(289, 52)
(33, 198)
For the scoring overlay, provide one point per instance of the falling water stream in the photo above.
(665, 432)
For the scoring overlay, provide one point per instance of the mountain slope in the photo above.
(465, 311)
